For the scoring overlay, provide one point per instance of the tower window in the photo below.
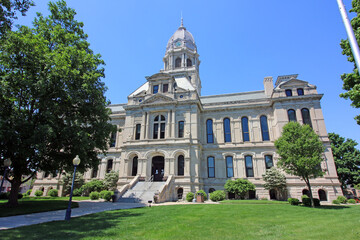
(155, 89)
(288, 92)
(178, 62)
(181, 129)
(188, 62)
(165, 88)
(292, 115)
(300, 91)
(137, 131)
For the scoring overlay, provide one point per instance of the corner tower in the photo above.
(181, 58)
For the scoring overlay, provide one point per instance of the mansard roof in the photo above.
(233, 97)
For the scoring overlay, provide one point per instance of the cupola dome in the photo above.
(181, 38)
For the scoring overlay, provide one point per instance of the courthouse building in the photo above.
(172, 135)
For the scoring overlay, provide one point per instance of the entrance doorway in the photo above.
(157, 169)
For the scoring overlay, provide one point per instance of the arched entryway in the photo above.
(322, 195)
(157, 169)
(273, 194)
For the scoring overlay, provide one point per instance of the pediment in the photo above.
(294, 83)
(158, 98)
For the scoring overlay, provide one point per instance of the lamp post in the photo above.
(7, 163)
(76, 162)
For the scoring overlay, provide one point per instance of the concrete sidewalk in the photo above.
(85, 208)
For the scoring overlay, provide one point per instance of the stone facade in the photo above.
(169, 131)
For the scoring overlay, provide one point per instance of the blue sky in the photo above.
(239, 42)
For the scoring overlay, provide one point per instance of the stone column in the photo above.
(168, 126)
(187, 167)
(126, 167)
(173, 123)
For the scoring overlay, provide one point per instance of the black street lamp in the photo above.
(7, 163)
(76, 162)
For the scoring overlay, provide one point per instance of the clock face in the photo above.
(178, 44)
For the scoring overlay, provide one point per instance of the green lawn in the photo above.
(35, 205)
(200, 221)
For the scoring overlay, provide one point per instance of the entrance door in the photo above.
(157, 169)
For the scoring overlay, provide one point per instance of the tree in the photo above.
(67, 181)
(300, 151)
(8, 11)
(52, 103)
(239, 187)
(110, 180)
(347, 159)
(274, 179)
(352, 80)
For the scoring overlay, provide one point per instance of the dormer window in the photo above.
(155, 89)
(300, 91)
(165, 88)
(288, 92)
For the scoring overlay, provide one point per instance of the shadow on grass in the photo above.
(333, 207)
(93, 225)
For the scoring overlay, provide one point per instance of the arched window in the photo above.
(109, 165)
(178, 62)
(249, 166)
(113, 139)
(322, 195)
(305, 113)
(159, 126)
(269, 161)
(181, 129)
(264, 128)
(94, 173)
(306, 192)
(212, 190)
(181, 165)
(209, 131)
(137, 131)
(229, 167)
(180, 192)
(245, 129)
(188, 62)
(300, 91)
(288, 92)
(134, 166)
(211, 167)
(227, 131)
(292, 115)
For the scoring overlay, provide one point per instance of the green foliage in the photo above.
(94, 196)
(337, 202)
(94, 185)
(9, 9)
(347, 159)
(39, 193)
(342, 199)
(53, 193)
(106, 195)
(77, 192)
(189, 196)
(28, 192)
(67, 181)
(357, 186)
(304, 196)
(53, 104)
(352, 201)
(274, 179)
(293, 201)
(351, 81)
(110, 180)
(217, 196)
(300, 151)
(101, 194)
(202, 193)
(307, 202)
(239, 187)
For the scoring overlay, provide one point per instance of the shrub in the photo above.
(101, 194)
(342, 199)
(239, 187)
(307, 202)
(352, 201)
(107, 195)
(217, 196)
(4, 195)
(92, 186)
(189, 196)
(39, 193)
(202, 193)
(293, 201)
(94, 196)
(20, 195)
(304, 196)
(77, 192)
(53, 193)
(337, 202)
(28, 192)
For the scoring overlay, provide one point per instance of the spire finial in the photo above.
(182, 24)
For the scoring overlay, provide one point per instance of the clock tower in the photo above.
(181, 58)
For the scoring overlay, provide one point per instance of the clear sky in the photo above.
(240, 42)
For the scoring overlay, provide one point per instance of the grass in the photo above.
(34, 205)
(200, 221)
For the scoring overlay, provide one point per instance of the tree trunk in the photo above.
(15, 185)
(307, 181)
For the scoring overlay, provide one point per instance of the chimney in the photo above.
(268, 86)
